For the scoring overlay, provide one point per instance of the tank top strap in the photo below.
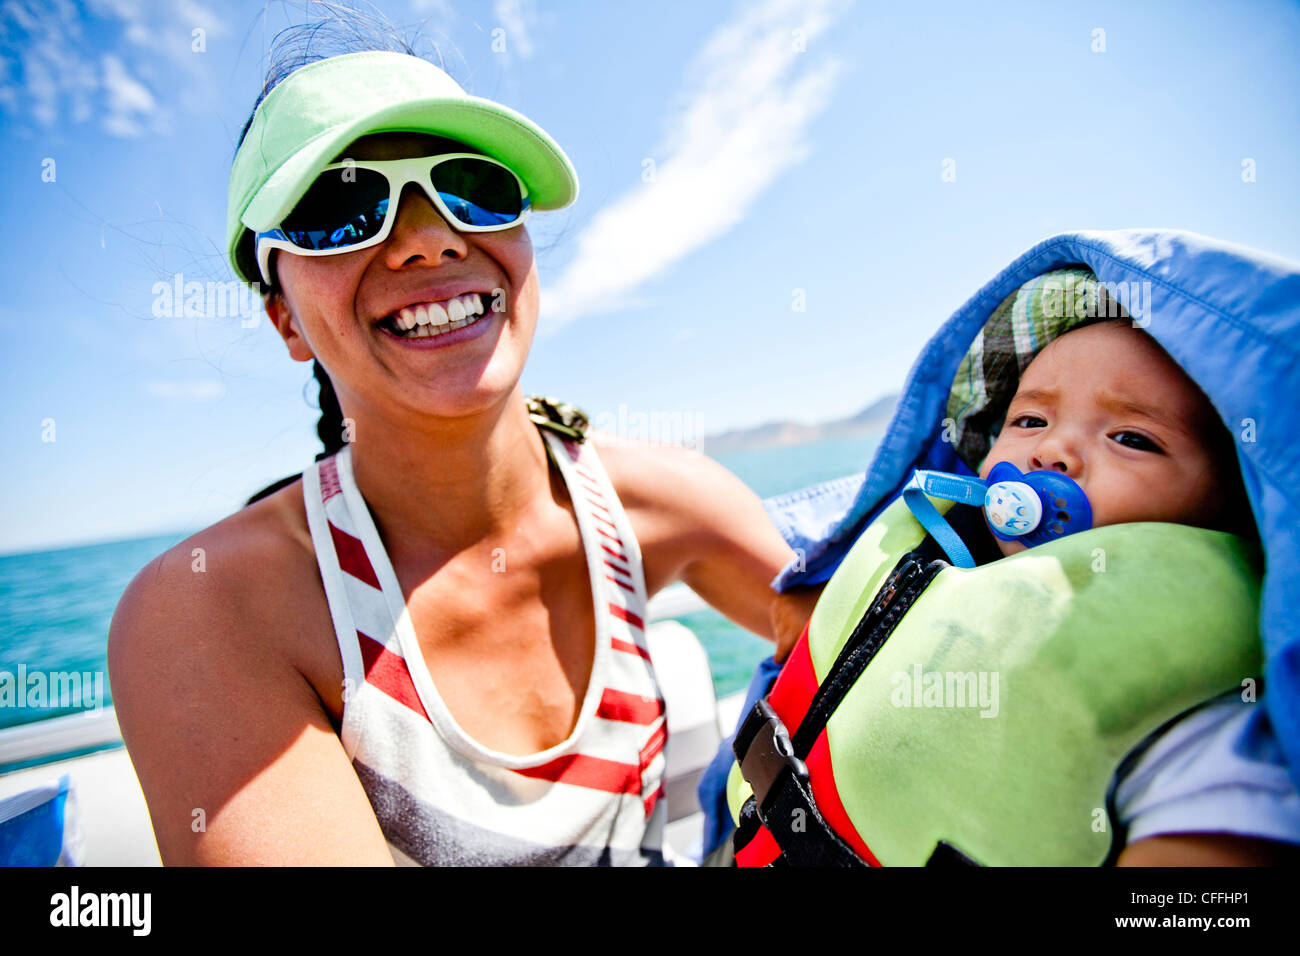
(366, 611)
(611, 545)
(614, 556)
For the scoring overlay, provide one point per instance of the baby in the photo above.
(1104, 405)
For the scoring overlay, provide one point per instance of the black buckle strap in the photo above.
(783, 800)
(802, 833)
(771, 759)
(765, 752)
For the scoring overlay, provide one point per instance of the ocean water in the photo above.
(56, 606)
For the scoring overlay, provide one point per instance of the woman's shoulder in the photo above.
(697, 522)
(672, 479)
(227, 683)
(237, 550)
(231, 578)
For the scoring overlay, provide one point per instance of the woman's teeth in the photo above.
(434, 318)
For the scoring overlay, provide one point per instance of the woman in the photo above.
(430, 649)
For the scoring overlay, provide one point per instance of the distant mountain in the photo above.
(873, 418)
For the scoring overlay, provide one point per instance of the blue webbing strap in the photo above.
(938, 484)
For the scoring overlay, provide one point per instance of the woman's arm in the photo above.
(233, 749)
(698, 523)
(1208, 849)
(1212, 790)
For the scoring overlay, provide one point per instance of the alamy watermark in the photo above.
(76, 690)
(192, 299)
(75, 908)
(682, 429)
(1122, 298)
(946, 689)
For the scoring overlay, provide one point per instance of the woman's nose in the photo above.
(421, 233)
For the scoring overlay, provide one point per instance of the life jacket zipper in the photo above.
(910, 577)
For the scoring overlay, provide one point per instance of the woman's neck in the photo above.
(450, 484)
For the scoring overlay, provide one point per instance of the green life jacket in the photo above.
(935, 714)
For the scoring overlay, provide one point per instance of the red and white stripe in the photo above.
(598, 791)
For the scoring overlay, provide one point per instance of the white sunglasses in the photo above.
(352, 204)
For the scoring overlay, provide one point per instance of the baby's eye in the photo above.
(1136, 440)
(1028, 421)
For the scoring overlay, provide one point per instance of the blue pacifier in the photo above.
(1034, 507)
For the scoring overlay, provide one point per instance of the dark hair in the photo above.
(340, 29)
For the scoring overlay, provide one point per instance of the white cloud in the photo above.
(186, 391)
(126, 97)
(57, 69)
(516, 18)
(748, 100)
(44, 94)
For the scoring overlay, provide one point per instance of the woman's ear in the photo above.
(287, 324)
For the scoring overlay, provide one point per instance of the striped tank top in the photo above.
(442, 798)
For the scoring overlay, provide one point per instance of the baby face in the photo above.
(1106, 406)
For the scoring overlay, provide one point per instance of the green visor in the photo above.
(315, 112)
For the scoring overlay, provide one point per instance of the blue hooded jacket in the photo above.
(1230, 316)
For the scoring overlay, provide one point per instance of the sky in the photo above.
(781, 201)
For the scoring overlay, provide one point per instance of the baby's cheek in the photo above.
(1003, 450)
(1137, 504)
(991, 459)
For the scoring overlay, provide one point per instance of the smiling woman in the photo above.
(429, 647)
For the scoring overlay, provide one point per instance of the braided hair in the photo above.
(330, 425)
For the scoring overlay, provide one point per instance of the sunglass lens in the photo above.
(478, 193)
(342, 208)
